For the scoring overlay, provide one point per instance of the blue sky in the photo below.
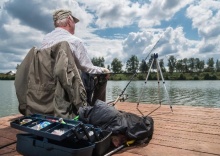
(116, 28)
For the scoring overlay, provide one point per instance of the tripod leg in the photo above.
(143, 87)
(164, 86)
(145, 82)
(158, 79)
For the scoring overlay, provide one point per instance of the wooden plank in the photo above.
(161, 132)
(188, 127)
(192, 145)
(5, 141)
(189, 119)
(8, 152)
(157, 150)
(186, 131)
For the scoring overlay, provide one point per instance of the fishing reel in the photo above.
(123, 97)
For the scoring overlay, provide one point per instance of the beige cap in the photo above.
(61, 14)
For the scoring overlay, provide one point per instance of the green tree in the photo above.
(143, 66)
(217, 66)
(201, 65)
(161, 63)
(210, 64)
(116, 65)
(179, 66)
(98, 61)
(171, 63)
(132, 64)
(197, 62)
(191, 62)
(185, 65)
(108, 67)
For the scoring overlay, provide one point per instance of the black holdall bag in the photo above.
(107, 117)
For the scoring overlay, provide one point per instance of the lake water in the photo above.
(194, 93)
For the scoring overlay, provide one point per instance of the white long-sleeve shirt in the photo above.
(79, 51)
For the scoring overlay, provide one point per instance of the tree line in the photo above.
(185, 65)
(178, 66)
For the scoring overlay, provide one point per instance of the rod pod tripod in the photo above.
(159, 73)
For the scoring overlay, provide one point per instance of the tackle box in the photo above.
(50, 135)
(56, 128)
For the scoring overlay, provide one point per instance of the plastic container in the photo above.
(102, 146)
(31, 145)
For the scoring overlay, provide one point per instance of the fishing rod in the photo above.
(135, 73)
(119, 96)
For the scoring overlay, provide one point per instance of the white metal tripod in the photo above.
(159, 73)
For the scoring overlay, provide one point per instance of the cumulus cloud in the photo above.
(115, 13)
(23, 23)
(170, 41)
(152, 14)
(205, 17)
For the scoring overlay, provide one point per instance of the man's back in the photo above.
(83, 62)
(58, 35)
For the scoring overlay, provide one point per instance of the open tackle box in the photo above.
(69, 135)
(56, 128)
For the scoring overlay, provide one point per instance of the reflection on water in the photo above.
(194, 93)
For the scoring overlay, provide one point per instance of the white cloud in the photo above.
(205, 17)
(152, 14)
(115, 13)
(120, 13)
(23, 23)
(102, 47)
(171, 41)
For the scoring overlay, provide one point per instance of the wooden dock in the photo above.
(191, 131)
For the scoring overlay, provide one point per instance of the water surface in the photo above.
(192, 93)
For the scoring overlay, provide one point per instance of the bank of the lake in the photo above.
(169, 76)
(152, 76)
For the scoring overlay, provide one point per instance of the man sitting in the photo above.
(48, 80)
(64, 23)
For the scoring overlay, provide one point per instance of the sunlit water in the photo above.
(193, 93)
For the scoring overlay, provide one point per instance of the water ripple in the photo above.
(191, 93)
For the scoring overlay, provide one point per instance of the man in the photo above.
(64, 23)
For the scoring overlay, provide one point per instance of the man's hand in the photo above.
(107, 72)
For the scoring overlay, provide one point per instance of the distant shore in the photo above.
(152, 76)
(169, 76)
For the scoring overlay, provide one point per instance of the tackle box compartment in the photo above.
(50, 127)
